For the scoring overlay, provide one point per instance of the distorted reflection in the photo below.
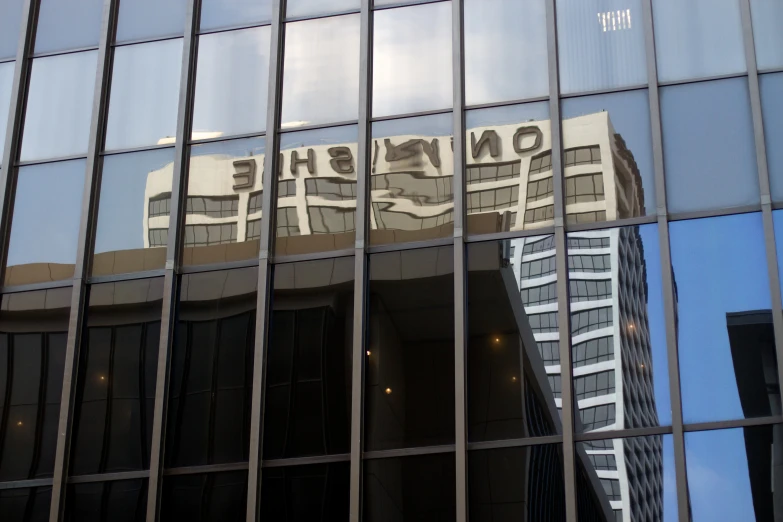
(627, 480)
(316, 191)
(130, 218)
(6, 84)
(223, 206)
(409, 382)
(116, 501)
(726, 342)
(33, 331)
(25, 504)
(412, 178)
(217, 14)
(211, 369)
(117, 372)
(315, 492)
(210, 497)
(308, 374)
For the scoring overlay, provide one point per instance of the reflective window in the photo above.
(144, 19)
(316, 492)
(698, 38)
(496, 68)
(725, 338)
(33, 332)
(117, 371)
(766, 15)
(226, 178)
(308, 375)
(6, 85)
(59, 106)
(237, 107)
(316, 194)
(209, 497)
(144, 94)
(68, 25)
(771, 86)
(129, 213)
(10, 24)
(523, 483)
(608, 157)
(403, 488)
(732, 474)
(21, 505)
(300, 8)
(216, 14)
(412, 59)
(509, 393)
(120, 501)
(211, 369)
(509, 169)
(43, 244)
(321, 71)
(411, 182)
(600, 44)
(409, 369)
(709, 154)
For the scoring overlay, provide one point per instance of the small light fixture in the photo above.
(514, 379)
(630, 326)
(103, 378)
(642, 366)
(368, 353)
(497, 339)
(19, 423)
(388, 391)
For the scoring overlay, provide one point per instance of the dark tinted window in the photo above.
(212, 497)
(117, 501)
(25, 504)
(305, 493)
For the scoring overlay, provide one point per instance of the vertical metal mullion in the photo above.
(667, 278)
(173, 255)
(360, 259)
(460, 265)
(561, 261)
(83, 261)
(263, 296)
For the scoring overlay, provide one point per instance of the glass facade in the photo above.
(391, 260)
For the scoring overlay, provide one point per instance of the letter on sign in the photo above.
(527, 131)
(488, 137)
(245, 175)
(310, 161)
(342, 160)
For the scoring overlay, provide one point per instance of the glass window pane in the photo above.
(43, 245)
(412, 59)
(409, 383)
(618, 341)
(733, 474)
(212, 369)
(524, 483)
(21, 505)
(495, 69)
(709, 154)
(600, 44)
(144, 95)
(239, 106)
(117, 371)
(697, 38)
(209, 497)
(300, 8)
(411, 182)
(120, 501)
(771, 86)
(6, 84)
(133, 212)
(321, 71)
(59, 106)
(32, 361)
(223, 173)
(10, 24)
(316, 196)
(144, 19)
(726, 341)
(410, 488)
(513, 371)
(68, 25)
(766, 15)
(317, 492)
(619, 125)
(217, 14)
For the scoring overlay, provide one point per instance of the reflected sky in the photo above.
(771, 86)
(537, 111)
(766, 16)
(225, 13)
(6, 83)
(142, 19)
(299, 8)
(9, 27)
(68, 25)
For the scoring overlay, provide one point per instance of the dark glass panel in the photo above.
(726, 343)
(143, 19)
(211, 369)
(308, 374)
(210, 497)
(25, 504)
(410, 488)
(409, 370)
(74, 24)
(114, 401)
(33, 331)
(217, 14)
(117, 501)
(306, 493)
